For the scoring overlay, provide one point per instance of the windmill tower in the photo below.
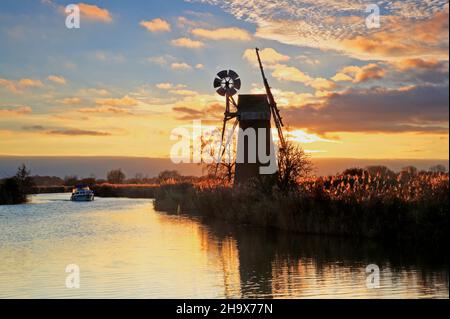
(252, 112)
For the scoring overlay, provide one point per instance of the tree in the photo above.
(71, 180)
(438, 169)
(293, 164)
(167, 175)
(89, 181)
(23, 179)
(115, 176)
(224, 170)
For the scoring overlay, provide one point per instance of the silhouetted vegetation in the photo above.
(115, 176)
(14, 190)
(369, 202)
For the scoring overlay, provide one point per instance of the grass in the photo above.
(413, 207)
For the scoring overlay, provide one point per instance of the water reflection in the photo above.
(126, 249)
(280, 265)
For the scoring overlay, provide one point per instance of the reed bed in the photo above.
(411, 207)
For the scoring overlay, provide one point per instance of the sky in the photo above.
(136, 70)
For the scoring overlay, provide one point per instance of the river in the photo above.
(125, 249)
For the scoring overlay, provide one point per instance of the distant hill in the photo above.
(98, 166)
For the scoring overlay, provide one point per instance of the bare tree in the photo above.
(293, 164)
(224, 170)
(116, 176)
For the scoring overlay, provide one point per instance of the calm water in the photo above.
(126, 249)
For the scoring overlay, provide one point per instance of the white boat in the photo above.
(82, 194)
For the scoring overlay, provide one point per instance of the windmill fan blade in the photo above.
(232, 91)
(217, 83)
(237, 84)
(233, 75)
(221, 91)
(222, 74)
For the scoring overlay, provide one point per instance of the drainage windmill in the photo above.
(253, 112)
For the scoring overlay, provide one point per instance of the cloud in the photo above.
(187, 43)
(285, 98)
(156, 25)
(358, 74)
(412, 109)
(30, 83)
(199, 66)
(183, 92)
(93, 91)
(109, 57)
(33, 128)
(284, 72)
(408, 28)
(160, 60)
(94, 13)
(168, 86)
(105, 109)
(403, 38)
(77, 132)
(125, 101)
(211, 113)
(220, 34)
(9, 85)
(181, 66)
(14, 111)
(307, 60)
(183, 22)
(342, 77)
(164, 86)
(268, 56)
(71, 101)
(408, 64)
(17, 87)
(57, 79)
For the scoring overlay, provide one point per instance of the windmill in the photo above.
(252, 111)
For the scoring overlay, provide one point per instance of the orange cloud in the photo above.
(183, 92)
(30, 83)
(17, 86)
(57, 79)
(77, 132)
(408, 64)
(268, 55)
(231, 33)
(156, 25)
(164, 86)
(125, 101)
(404, 38)
(94, 13)
(180, 66)
(187, 43)
(290, 73)
(105, 109)
(20, 110)
(358, 74)
(9, 85)
(71, 101)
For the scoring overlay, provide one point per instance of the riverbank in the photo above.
(415, 210)
(140, 253)
(144, 191)
(12, 192)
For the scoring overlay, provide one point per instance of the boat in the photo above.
(82, 194)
